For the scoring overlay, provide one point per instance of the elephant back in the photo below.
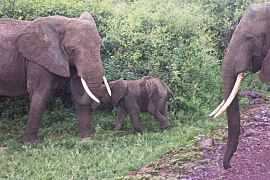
(9, 31)
(12, 26)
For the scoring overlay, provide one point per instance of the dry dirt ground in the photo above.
(251, 160)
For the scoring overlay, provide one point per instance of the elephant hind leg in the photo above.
(136, 124)
(159, 111)
(163, 121)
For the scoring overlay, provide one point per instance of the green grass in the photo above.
(61, 154)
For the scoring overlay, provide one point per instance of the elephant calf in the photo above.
(148, 94)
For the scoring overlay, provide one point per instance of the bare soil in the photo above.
(250, 161)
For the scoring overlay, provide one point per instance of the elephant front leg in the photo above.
(134, 112)
(39, 86)
(37, 108)
(121, 114)
(86, 128)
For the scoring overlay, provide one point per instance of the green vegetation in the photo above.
(181, 42)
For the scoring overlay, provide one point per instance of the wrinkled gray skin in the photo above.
(247, 50)
(36, 58)
(148, 94)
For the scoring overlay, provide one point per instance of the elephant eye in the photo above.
(249, 38)
(71, 50)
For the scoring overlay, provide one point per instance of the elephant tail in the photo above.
(170, 93)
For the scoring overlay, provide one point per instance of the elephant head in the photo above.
(247, 50)
(56, 42)
(118, 91)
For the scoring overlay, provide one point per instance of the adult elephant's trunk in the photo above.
(230, 87)
(233, 117)
(92, 87)
(89, 80)
(235, 62)
(86, 87)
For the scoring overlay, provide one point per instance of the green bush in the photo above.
(182, 42)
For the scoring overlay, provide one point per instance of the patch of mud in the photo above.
(252, 158)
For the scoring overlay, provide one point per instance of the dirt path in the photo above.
(251, 160)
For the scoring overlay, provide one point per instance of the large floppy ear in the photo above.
(118, 89)
(265, 67)
(265, 70)
(40, 42)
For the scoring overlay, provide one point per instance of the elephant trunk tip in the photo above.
(226, 165)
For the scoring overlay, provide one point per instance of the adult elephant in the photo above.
(247, 50)
(37, 58)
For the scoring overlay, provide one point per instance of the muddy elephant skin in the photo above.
(37, 56)
(131, 97)
(247, 50)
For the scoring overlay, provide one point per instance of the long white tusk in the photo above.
(107, 85)
(217, 109)
(234, 92)
(88, 91)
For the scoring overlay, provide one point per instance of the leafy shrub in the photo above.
(181, 42)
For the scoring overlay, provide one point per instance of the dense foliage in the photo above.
(181, 42)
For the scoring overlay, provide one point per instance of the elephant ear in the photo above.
(88, 17)
(118, 89)
(40, 42)
(265, 70)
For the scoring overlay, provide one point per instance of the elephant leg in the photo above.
(121, 115)
(162, 116)
(164, 124)
(159, 110)
(133, 110)
(39, 85)
(135, 122)
(86, 127)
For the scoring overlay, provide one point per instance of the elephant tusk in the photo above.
(231, 97)
(88, 91)
(218, 108)
(107, 85)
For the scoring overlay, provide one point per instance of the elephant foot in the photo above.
(86, 133)
(165, 127)
(30, 138)
(141, 129)
(88, 139)
(117, 128)
(226, 165)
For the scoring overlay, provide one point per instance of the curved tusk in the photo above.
(107, 85)
(234, 92)
(218, 108)
(88, 91)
